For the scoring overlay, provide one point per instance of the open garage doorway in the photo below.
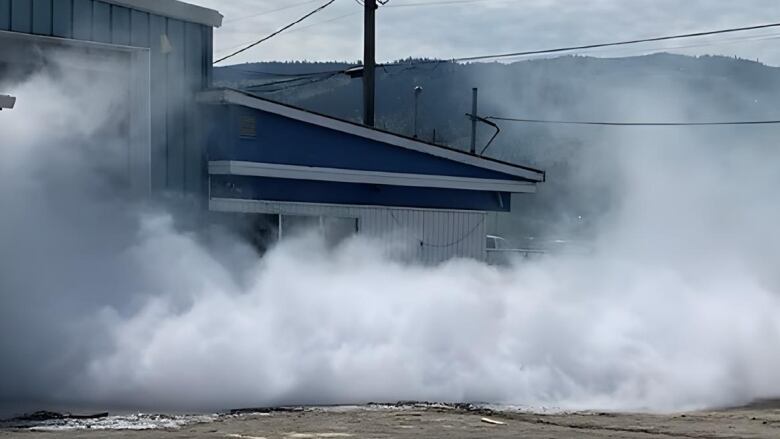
(123, 70)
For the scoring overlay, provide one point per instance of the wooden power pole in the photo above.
(369, 62)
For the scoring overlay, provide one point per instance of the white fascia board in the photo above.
(7, 102)
(174, 9)
(294, 172)
(238, 205)
(227, 96)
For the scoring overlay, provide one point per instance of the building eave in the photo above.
(293, 172)
(174, 9)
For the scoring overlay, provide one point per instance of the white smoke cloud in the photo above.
(103, 304)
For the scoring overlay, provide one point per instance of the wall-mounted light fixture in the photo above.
(7, 102)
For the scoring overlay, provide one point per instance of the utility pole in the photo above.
(474, 99)
(369, 62)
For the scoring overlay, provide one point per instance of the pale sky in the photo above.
(456, 28)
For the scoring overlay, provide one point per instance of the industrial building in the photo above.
(238, 154)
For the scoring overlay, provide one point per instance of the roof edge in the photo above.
(237, 97)
(361, 176)
(174, 9)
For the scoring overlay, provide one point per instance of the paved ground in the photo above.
(450, 423)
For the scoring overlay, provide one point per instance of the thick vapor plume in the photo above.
(104, 303)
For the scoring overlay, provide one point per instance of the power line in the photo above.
(593, 46)
(289, 31)
(412, 64)
(330, 20)
(634, 124)
(284, 8)
(260, 89)
(298, 78)
(276, 33)
(439, 3)
(283, 81)
(290, 75)
(621, 43)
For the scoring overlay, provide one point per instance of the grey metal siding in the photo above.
(177, 74)
(157, 30)
(208, 41)
(5, 14)
(21, 16)
(430, 236)
(139, 29)
(194, 151)
(42, 17)
(175, 117)
(120, 25)
(62, 19)
(82, 20)
(101, 22)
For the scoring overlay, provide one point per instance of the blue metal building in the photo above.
(243, 155)
(167, 44)
(272, 159)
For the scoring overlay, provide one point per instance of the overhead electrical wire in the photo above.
(275, 33)
(283, 81)
(289, 31)
(633, 124)
(440, 3)
(284, 8)
(591, 46)
(412, 64)
(289, 75)
(292, 84)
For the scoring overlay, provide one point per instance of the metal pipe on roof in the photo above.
(474, 115)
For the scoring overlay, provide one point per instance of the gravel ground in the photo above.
(432, 421)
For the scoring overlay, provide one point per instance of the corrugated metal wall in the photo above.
(433, 235)
(181, 58)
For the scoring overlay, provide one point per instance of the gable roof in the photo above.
(236, 97)
(174, 9)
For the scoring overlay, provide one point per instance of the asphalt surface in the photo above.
(758, 421)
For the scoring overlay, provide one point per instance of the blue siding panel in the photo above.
(120, 25)
(302, 191)
(5, 14)
(179, 63)
(139, 29)
(42, 17)
(62, 18)
(82, 19)
(21, 16)
(286, 141)
(176, 90)
(101, 22)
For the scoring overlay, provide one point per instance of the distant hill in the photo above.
(647, 88)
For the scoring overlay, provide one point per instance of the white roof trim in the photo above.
(293, 172)
(227, 96)
(174, 9)
(239, 205)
